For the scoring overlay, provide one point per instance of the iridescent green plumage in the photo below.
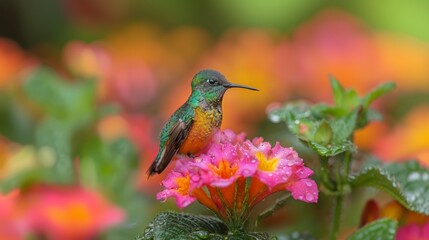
(193, 124)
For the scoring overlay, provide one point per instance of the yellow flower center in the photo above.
(183, 185)
(75, 212)
(225, 169)
(265, 164)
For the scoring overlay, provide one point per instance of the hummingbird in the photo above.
(192, 126)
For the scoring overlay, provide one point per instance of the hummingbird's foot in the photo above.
(191, 155)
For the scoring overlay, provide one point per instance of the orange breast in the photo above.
(204, 125)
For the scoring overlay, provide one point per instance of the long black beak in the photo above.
(232, 85)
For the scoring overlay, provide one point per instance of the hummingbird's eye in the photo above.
(211, 81)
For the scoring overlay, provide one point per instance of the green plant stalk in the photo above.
(342, 173)
(338, 204)
(324, 168)
(347, 166)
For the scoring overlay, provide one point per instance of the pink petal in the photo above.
(304, 190)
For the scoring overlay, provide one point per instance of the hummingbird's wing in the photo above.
(177, 134)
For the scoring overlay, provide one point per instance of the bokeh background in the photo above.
(86, 86)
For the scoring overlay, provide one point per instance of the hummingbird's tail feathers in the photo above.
(152, 170)
(176, 136)
(159, 164)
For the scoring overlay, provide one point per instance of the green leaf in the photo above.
(332, 149)
(337, 90)
(247, 236)
(343, 127)
(171, 225)
(381, 179)
(323, 134)
(381, 229)
(16, 123)
(376, 93)
(175, 226)
(351, 100)
(296, 236)
(414, 182)
(54, 134)
(407, 182)
(299, 118)
(345, 100)
(72, 103)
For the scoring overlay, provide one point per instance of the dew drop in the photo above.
(295, 235)
(309, 197)
(309, 184)
(274, 118)
(414, 176)
(195, 178)
(412, 198)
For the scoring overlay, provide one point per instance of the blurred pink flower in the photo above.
(55, 212)
(12, 225)
(132, 84)
(223, 169)
(71, 213)
(333, 42)
(413, 231)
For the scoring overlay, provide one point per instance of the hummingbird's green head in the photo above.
(211, 85)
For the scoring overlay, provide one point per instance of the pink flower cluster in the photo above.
(233, 174)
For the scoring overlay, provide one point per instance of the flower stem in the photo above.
(347, 165)
(342, 175)
(336, 217)
(324, 168)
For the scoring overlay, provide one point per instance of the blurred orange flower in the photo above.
(12, 60)
(409, 139)
(167, 54)
(86, 60)
(405, 61)
(112, 127)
